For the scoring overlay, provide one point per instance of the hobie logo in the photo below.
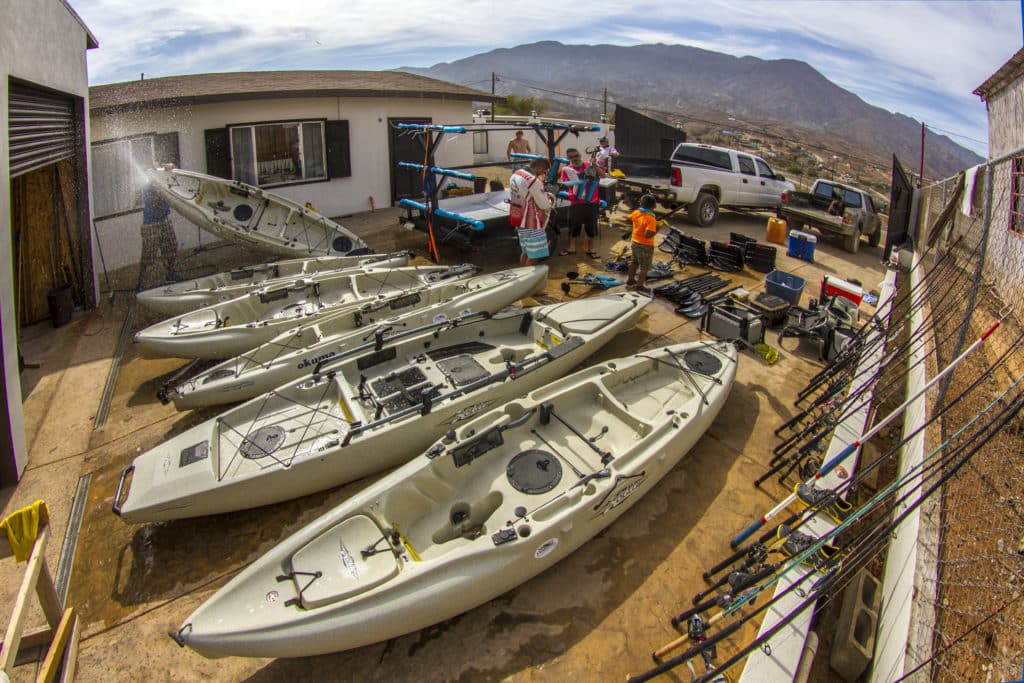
(348, 562)
(545, 548)
(313, 361)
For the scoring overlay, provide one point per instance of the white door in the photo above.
(749, 194)
(769, 189)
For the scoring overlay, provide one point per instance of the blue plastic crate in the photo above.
(801, 245)
(785, 285)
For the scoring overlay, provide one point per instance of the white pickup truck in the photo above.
(703, 178)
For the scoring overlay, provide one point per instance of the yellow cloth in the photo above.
(22, 527)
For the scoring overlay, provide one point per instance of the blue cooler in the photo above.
(801, 245)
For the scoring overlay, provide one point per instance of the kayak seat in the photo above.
(571, 320)
(344, 571)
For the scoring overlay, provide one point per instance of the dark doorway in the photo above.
(8, 466)
(899, 208)
(405, 146)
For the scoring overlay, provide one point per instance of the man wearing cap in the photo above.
(605, 152)
(603, 159)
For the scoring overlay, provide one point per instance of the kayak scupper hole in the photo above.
(524, 530)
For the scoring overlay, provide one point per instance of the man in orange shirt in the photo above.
(645, 227)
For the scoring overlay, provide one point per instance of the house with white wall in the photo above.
(44, 194)
(328, 138)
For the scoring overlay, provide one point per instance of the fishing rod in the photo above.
(846, 452)
(865, 387)
(871, 537)
(859, 559)
(934, 318)
(796, 520)
(847, 410)
(919, 292)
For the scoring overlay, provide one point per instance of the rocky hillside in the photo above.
(678, 78)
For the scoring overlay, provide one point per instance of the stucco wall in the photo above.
(43, 43)
(1006, 120)
(369, 153)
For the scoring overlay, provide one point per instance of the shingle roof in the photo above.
(254, 85)
(1007, 73)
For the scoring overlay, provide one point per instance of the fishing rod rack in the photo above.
(430, 137)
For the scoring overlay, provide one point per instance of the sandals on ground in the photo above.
(566, 252)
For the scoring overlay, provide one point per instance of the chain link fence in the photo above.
(978, 530)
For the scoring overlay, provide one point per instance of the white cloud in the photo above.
(919, 58)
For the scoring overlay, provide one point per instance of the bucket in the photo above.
(777, 230)
(61, 304)
(479, 184)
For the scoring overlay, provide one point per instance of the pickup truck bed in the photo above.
(810, 209)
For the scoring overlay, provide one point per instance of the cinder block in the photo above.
(854, 644)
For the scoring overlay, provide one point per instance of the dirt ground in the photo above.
(596, 616)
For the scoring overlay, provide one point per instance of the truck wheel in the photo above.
(852, 242)
(703, 211)
(875, 237)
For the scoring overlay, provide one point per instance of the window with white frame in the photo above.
(278, 153)
(118, 170)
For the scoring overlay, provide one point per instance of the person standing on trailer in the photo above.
(603, 158)
(157, 236)
(519, 145)
(529, 209)
(584, 203)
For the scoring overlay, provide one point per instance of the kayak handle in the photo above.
(120, 485)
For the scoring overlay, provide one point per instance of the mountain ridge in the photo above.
(785, 91)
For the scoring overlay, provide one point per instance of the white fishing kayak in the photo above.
(229, 328)
(367, 413)
(181, 297)
(253, 217)
(481, 511)
(298, 351)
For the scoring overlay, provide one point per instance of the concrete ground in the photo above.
(596, 616)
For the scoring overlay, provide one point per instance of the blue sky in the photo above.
(918, 58)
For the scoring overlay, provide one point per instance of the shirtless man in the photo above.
(518, 144)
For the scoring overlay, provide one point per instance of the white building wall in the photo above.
(1006, 119)
(43, 43)
(369, 138)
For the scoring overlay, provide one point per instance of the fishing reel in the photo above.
(698, 634)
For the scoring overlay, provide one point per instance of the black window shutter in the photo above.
(165, 149)
(338, 164)
(218, 154)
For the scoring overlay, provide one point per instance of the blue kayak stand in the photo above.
(430, 136)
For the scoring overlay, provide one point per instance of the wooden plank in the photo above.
(38, 638)
(67, 673)
(54, 655)
(47, 593)
(12, 638)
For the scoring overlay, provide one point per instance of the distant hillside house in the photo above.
(323, 137)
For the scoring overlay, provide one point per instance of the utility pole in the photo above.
(606, 99)
(494, 79)
(920, 178)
